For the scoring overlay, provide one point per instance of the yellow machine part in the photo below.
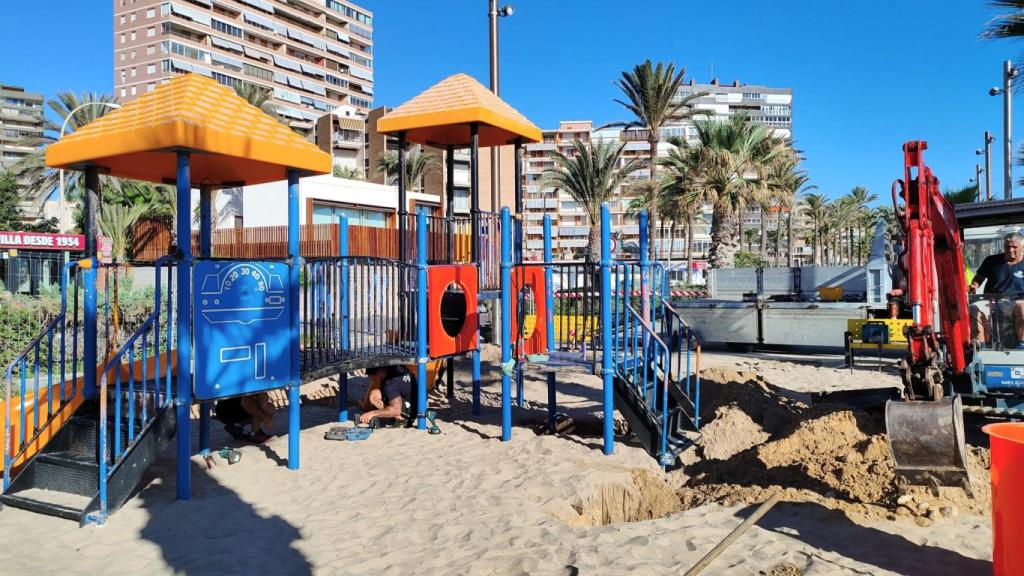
(830, 294)
(896, 338)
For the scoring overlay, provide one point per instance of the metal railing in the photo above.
(685, 349)
(576, 302)
(35, 362)
(139, 395)
(357, 307)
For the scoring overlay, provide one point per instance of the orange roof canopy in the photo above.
(442, 115)
(232, 142)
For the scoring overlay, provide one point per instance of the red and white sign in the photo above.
(40, 241)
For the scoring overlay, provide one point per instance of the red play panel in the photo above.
(535, 325)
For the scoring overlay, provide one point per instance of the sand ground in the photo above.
(462, 502)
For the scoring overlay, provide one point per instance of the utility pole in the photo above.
(1009, 73)
(493, 13)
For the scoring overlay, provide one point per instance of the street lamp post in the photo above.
(977, 181)
(493, 13)
(989, 139)
(60, 200)
(1009, 73)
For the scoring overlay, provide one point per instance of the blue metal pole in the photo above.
(552, 401)
(205, 251)
(343, 325)
(645, 264)
(421, 321)
(606, 328)
(506, 324)
(90, 320)
(549, 293)
(476, 375)
(184, 328)
(293, 314)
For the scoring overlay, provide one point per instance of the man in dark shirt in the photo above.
(390, 388)
(1002, 275)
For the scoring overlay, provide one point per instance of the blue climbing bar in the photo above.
(645, 266)
(506, 325)
(421, 321)
(549, 292)
(184, 381)
(343, 325)
(205, 251)
(295, 262)
(606, 328)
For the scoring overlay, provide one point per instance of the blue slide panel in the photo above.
(241, 328)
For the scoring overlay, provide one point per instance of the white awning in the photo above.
(286, 63)
(312, 70)
(337, 50)
(257, 54)
(226, 44)
(228, 61)
(360, 73)
(261, 4)
(258, 20)
(206, 3)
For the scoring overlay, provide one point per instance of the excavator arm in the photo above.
(925, 428)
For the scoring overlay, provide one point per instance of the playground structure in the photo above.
(77, 444)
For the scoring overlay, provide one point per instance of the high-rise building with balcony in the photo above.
(21, 117)
(314, 56)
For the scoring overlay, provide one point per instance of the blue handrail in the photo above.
(113, 364)
(59, 322)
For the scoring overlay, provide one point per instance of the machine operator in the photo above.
(1003, 277)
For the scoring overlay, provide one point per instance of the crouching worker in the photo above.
(388, 395)
(254, 410)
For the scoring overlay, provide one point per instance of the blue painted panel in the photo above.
(1004, 377)
(242, 340)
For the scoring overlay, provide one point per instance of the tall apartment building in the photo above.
(315, 56)
(769, 106)
(21, 116)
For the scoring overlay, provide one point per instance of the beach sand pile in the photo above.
(757, 441)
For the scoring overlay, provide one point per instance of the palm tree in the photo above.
(40, 180)
(347, 172)
(729, 168)
(791, 183)
(685, 204)
(815, 207)
(858, 199)
(260, 97)
(590, 175)
(963, 195)
(116, 222)
(418, 164)
(749, 235)
(652, 96)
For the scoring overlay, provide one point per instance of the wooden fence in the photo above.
(153, 240)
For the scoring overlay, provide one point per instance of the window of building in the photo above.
(132, 19)
(226, 28)
(360, 102)
(151, 86)
(122, 56)
(132, 55)
(329, 214)
(151, 69)
(151, 13)
(124, 74)
(133, 35)
(261, 73)
(151, 49)
(151, 31)
(122, 92)
(122, 38)
(133, 90)
(122, 20)
(133, 72)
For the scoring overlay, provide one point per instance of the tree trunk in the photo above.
(671, 240)
(653, 140)
(594, 237)
(789, 239)
(689, 250)
(849, 237)
(778, 238)
(815, 257)
(724, 240)
(763, 248)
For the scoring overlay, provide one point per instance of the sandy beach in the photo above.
(462, 502)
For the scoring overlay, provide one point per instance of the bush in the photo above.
(748, 260)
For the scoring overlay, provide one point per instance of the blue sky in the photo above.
(867, 75)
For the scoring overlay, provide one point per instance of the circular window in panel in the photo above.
(453, 309)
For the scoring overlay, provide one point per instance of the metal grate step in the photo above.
(59, 504)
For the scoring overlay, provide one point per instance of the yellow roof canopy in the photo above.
(232, 142)
(443, 114)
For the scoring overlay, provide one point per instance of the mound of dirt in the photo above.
(730, 432)
(829, 454)
(645, 497)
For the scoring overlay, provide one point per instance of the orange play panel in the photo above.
(232, 142)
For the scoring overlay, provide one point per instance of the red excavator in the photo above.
(944, 368)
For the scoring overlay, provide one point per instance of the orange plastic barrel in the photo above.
(1007, 441)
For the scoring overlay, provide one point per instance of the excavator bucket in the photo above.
(927, 441)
